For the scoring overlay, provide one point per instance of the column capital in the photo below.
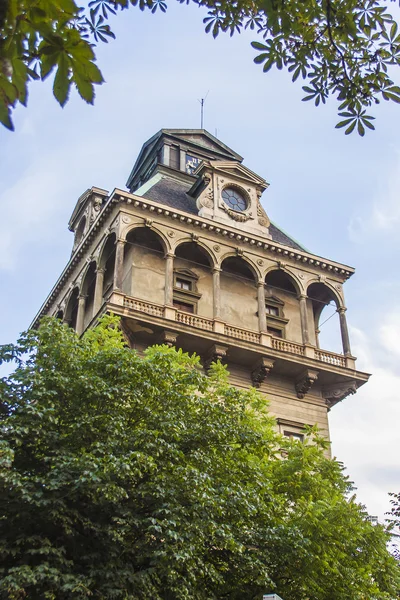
(120, 241)
(302, 296)
(216, 269)
(82, 296)
(341, 310)
(170, 254)
(100, 270)
(261, 283)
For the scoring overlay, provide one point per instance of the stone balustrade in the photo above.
(247, 335)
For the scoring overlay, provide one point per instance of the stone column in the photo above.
(169, 279)
(98, 291)
(262, 315)
(81, 314)
(217, 292)
(344, 331)
(304, 318)
(119, 264)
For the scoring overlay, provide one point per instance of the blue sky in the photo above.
(337, 195)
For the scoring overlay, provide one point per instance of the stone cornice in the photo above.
(254, 241)
(280, 251)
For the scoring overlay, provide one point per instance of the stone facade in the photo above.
(189, 257)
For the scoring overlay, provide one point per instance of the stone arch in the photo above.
(130, 232)
(239, 297)
(319, 296)
(71, 311)
(88, 290)
(335, 295)
(255, 274)
(281, 278)
(143, 271)
(107, 261)
(200, 252)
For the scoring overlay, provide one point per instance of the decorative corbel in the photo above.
(305, 381)
(168, 338)
(216, 352)
(339, 391)
(261, 370)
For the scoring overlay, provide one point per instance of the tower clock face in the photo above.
(234, 199)
(192, 162)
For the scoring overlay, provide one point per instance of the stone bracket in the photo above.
(338, 391)
(261, 370)
(216, 352)
(305, 381)
(168, 338)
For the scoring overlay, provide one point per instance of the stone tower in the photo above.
(189, 257)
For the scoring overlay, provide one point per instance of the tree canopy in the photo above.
(341, 48)
(140, 477)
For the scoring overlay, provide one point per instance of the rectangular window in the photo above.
(275, 332)
(294, 436)
(272, 310)
(184, 306)
(174, 157)
(183, 284)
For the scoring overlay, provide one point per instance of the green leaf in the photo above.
(351, 128)
(343, 123)
(261, 57)
(360, 128)
(259, 46)
(62, 80)
(84, 87)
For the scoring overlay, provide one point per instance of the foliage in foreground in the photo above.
(137, 478)
(343, 48)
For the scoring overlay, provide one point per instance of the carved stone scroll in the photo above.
(261, 370)
(339, 391)
(216, 352)
(168, 338)
(305, 381)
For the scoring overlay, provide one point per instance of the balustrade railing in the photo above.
(194, 320)
(330, 357)
(238, 333)
(242, 334)
(285, 346)
(147, 307)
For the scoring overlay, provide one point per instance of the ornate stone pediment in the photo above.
(228, 192)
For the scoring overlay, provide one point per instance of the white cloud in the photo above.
(383, 215)
(365, 427)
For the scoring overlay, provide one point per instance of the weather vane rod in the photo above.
(202, 101)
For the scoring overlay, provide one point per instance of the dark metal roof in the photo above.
(173, 193)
